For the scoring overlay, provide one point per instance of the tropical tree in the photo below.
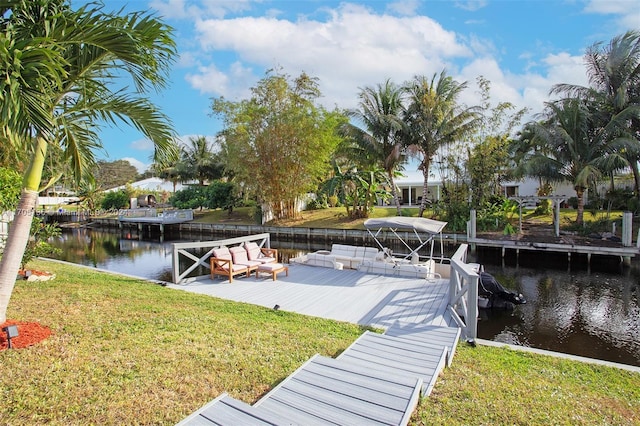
(434, 119)
(168, 165)
(488, 160)
(199, 161)
(576, 149)
(90, 195)
(110, 174)
(487, 167)
(10, 188)
(278, 142)
(358, 189)
(613, 71)
(60, 82)
(380, 113)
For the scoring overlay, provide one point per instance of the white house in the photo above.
(150, 184)
(410, 188)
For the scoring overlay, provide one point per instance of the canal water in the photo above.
(586, 310)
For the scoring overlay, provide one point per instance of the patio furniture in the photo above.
(272, 268)
(342, 255)
(222, 264)
(239, 256)
(262, 255)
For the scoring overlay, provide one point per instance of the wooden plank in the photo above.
(343, 394)
(446, 336)
(352, 389)
(350, 296)
(393, 355)
(225, 410)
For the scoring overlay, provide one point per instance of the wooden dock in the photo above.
(342, 295)
(377, 380)
(624, 253)
(152, 217)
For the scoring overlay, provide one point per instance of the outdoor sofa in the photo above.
(342, 256)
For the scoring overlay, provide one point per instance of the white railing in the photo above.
(136, 213)
(463, 293)
(185, 251)
(177, 214)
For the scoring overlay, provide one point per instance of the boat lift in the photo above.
(429, 229)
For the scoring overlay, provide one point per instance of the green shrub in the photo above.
(38, 244)
(115, 200)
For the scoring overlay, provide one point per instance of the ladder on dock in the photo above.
(376, 380)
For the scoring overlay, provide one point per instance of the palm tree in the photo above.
(573, 146)
(58, 93)
(613, 71)
(200, 162)
(167, 166)
(380, 110)
(434, 119)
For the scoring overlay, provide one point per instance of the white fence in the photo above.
(463, 293)
(185, 252)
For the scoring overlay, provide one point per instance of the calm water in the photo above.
(588, 311)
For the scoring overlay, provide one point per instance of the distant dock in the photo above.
(151, 217)
(522, 245)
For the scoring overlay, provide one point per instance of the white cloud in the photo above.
(618, 7)
(233, 84)
(143, 144)
(404, 7)
(139, 165)
(181, 9)
(627, 12)
(353, 47)
(471, 5)
(524, 90)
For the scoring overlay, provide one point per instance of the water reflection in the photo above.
(588, 311)
(116, 252)
(592, 314)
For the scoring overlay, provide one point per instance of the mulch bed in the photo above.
(29, 333)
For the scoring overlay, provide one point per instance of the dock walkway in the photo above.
(377, 380)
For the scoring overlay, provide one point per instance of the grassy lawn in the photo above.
(130, 352)
(336, 218)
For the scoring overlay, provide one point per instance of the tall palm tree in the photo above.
(613, 71)
(434, 119)
(380, 112)
(57, 68)
(574, 147)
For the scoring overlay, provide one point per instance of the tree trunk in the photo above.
(580, 196)
(425, 187)
(394, 193)
(636, 177)
(20, 227)
(15, 247)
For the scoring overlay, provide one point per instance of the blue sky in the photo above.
(522, 47)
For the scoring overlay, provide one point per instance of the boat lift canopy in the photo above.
(425, 231)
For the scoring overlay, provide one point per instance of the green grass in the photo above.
(126, 351)
(499, 386)
(130, 352)
(336, 218)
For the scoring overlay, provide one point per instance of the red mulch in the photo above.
(29, 333)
